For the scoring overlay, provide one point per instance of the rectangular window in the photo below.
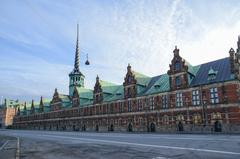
(214, 95)
(151, 103)
(120, 107)
(164, 101)
(146, 104)
(129, 106)
(111, 108)
(129, 92)
(195, 97)
(139, 105)
(179, 101)
(178, 81)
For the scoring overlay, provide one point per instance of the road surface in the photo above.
(56, 144)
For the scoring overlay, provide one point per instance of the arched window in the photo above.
(180, 117)
(197, 118)
(165, 119)
(129, 79)
(216, 116)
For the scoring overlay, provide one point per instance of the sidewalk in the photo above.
(8, 147)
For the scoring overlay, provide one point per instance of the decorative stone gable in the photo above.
(129, 84)
(18, 111)
(25, 109)
(177, 72)
(41, 105)
(75, 98)
(56, 101)
(97, 92)
(32, 108)
(234, 58)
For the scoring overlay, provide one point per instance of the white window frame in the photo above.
(164, 101)
(214, 99)
(151, 103)
(129, 106)
(195, 97)
(179, 99)
(139, 105)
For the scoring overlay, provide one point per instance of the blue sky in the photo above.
(37, 39)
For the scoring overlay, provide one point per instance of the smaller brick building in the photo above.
(8, 111)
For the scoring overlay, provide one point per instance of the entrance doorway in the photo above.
(217, 126)
(130, 129)
(180, 126)
(84, 128)
(111, 127)
(152, 127)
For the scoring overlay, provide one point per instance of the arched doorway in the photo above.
(217, 126)
(111, 127)
(64, 128)
(152, 127)
(180, 126)
(84, 128)
(97, 128)
(130, 129)
(74, 128)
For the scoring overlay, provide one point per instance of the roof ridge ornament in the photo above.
(176, 50)
(129, 67)
(238, 44)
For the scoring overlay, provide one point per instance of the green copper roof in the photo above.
(117, 94)
(142, 79)
(85, 93)
(108, 87)
(64, 98)
(157, 84)
(66, 101)
(193, 70)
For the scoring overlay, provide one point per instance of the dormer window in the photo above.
(157, 86)
(212, 74)
(177, 66)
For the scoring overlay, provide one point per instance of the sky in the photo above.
(38, 39)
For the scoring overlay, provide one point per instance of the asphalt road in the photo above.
(53, 144)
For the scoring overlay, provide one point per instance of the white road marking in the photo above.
(144, 145)
(200, 138)
(18, 149)
(160, 136)
(4, 145)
